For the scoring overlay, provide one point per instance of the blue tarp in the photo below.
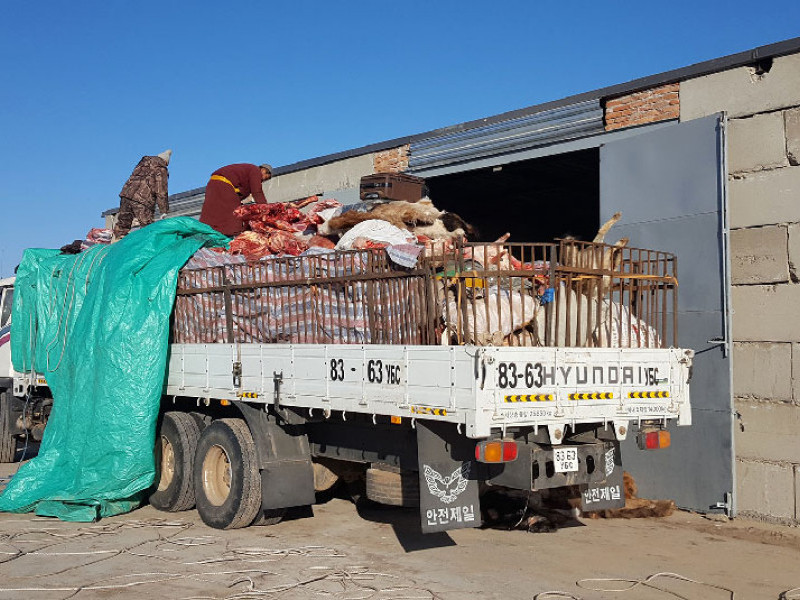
(96, 324)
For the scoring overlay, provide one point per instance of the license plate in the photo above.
(565, 460)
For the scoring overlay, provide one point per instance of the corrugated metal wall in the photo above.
(540, 129)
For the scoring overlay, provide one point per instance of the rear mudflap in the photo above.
(448, 478)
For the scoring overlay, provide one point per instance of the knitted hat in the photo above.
(165, 155)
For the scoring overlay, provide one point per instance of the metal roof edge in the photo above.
(696, 70)
(700, 69)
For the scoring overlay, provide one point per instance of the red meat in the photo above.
(251, 244)
(279, 215)
(318, 241)
(313, 212)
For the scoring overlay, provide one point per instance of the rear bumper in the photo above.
(534, 468)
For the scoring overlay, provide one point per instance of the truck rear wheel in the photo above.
(392, 486)
(175, 449)
(8, 442)
(270, 517)
(227, 480)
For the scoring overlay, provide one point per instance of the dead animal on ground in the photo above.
(635, 507)
(535, 512)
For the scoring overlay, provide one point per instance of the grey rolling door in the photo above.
(670, 187)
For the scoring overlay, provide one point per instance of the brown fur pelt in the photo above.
(405, 215)
(635, 507)
(418, 217)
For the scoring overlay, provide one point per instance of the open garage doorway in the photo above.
(535, 200)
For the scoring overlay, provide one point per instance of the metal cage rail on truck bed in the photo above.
(569, 294)
(487, 336)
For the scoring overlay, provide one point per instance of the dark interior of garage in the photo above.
(534, 200)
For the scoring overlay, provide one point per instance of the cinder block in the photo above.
(760, 255)
(768, 431)
(757, 143)
(765, 198)
(339, 175)
(763, 370)
(766, 313)
(793, 135)
(766, 488)
(742, 93)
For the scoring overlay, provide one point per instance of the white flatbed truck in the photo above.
(250, 429)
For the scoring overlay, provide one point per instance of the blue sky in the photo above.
(89, 87)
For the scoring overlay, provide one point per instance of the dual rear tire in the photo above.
(216, 470)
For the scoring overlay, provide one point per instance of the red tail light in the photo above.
(654, 440)
(496, 451)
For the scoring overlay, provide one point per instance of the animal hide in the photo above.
(635, 507)
(535, 512)
(422, 218)
(401, 214)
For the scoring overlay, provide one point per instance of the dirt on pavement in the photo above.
(380, 554)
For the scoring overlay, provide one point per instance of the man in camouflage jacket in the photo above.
(146, 186)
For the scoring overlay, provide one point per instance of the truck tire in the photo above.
(393, 487)
(226, 475)
(270, 517)
(324, 477)
(8, 441)
(175, 449)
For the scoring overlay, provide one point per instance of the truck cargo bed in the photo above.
(482, 389)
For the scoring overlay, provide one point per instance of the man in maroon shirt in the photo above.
(225, 191)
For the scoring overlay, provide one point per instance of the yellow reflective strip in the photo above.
(425, 410)
(660, 394)
(592, 396)
(529, 398)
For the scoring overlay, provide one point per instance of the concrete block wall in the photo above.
(764, 201)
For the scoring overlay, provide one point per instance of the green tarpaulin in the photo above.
(96, 325)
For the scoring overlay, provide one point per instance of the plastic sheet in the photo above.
(96, 324)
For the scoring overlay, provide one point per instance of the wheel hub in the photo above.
(217, 475)
(167, 464)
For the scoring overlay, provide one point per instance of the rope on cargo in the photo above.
(70, 290)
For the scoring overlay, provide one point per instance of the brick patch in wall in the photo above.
(392, 161)
(649, 106)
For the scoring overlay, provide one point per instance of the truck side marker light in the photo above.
(426, 410)
(648, 394)
(225, 402)
(593, 396)
(530, 398)
(496, 451)
(396, 420)
(655, 440)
